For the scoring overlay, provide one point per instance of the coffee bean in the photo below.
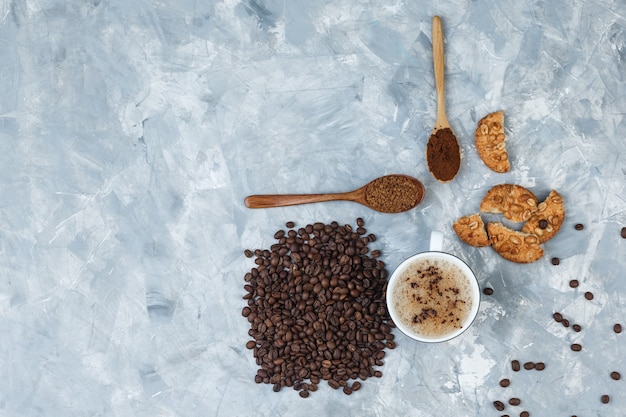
(360, 222)
(589, 295)
(616, 375)
(605, 399)
(558, 317)
(515, 401)
(574, 283)
(290, 224)
(347, 390)
(617, 328)
(524, 414)
(579, 226)
(505, 383)
(565, 323)
(515, 365)
(499, 405)
(543, 223)
(529, 365)
(304, 394)
(488, 291)
(576, 347)
(540, 366)
(248, 253)
(555, 261)
(624, 232)
(577, 327)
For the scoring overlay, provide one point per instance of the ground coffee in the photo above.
(443, 155)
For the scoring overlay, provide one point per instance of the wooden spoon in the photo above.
(442, 151)
(388, 194)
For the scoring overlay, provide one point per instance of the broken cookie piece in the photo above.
(471, 230)
(489, 138)
(546, 221)
(514, 246)
(517, 203)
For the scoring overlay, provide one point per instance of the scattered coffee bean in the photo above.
(360, 222)
(574, 283)
(589, 295)
(565, 323)
(499, 405)
(505, 383)
(605, 399)
(577, 327)
(540, 366)
(616, 375)
(576, 347)
(515, 401)
(515, 365)
(579, 226)
(524, 414)
(488, 291)
(624, 232)
(558, 317)
(543, 223)
(617, 328)
(529, 365)
(356, 386)
(248, 253)
(316, 303)
(555, 261)
(290, 224)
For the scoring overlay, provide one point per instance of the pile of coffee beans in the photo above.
(317, 310)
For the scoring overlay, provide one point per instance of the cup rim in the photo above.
(475, 292)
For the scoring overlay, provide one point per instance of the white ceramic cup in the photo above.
(435, 253)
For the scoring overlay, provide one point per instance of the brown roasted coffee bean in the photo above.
(574, 283)
(617, 328)
(605, 399)
(555, 261)
(505, 383)
(589, 295)
(624, 232)
(499, 405)
(529, 365)
(290, 224)
(577, 327)
(576, 347)
(558, 317)
(579, 226)
(248, 253)
(616, 375)
(515, 365)
(488, 291)
(524, 414)
(540, 366)
(515, 401)
(565, 323)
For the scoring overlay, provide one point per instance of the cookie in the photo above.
(514, 246)
(517, 203)
(489, 138)
(471, 230)
(520, 204)
(546, 221)
(494, 200)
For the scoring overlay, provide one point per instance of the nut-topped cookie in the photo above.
(489, 138)
(517, 203)
(471, 230)
(513, 245)
(546, 221)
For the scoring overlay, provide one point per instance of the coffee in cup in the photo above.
(433, 296)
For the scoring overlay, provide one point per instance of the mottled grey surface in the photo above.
(131, 131)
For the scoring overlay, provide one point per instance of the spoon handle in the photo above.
(280, 200)
(438, 64)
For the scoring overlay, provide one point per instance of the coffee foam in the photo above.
(433, 298)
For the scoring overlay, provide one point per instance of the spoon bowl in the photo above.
(387, 194)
